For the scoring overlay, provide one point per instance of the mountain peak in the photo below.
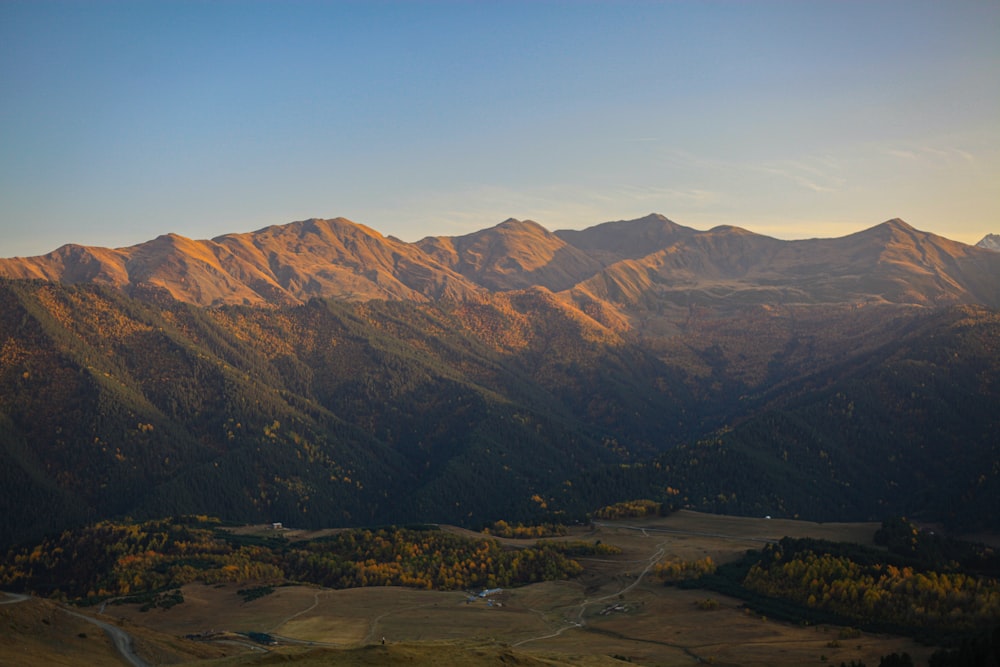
(314, 226)
(886, 230)
(898, 223)
(521, 226)
(514, 254)
(626, 239)
(655, 217)
(731, 229)
(990, 242)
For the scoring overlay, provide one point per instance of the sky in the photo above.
(121, 121)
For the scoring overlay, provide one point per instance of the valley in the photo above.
(615, 607)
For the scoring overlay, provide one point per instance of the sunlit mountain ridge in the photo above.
(619, 264)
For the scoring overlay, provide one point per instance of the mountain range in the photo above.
(321, 373)
(615, 264)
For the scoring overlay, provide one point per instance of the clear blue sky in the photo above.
(120, 121)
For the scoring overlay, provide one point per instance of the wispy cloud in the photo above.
(928, 155)
(663, 194)
(555, 207)
(902, 155)
(816, 173)
(805, 176)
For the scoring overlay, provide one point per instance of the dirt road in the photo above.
(122, 640)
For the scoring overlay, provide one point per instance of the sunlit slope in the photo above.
(731, 267)
(616, 272)
(281, 264)
(513, 255)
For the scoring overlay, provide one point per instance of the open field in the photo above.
(615, 608)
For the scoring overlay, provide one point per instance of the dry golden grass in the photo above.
(451, 653)
(327, 629)
(36, 632)
(220, 607)
(691, 535)
(40, 633)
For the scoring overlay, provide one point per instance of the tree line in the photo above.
(113, 559)
(940, 593)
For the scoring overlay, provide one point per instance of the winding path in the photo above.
(122, 640)
(315, 604)
(580, 622)
(582, 606)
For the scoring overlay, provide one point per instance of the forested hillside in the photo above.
(908, 427)
(504, 406)
(321, 414)
(148, 558)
